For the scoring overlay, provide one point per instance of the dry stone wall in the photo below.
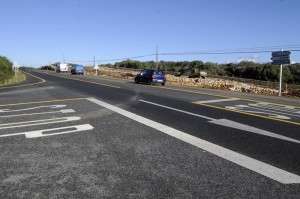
(210, 82)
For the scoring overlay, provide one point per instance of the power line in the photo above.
(256, 50)
(222, 53)
(116, 59)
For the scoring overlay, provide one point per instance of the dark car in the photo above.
(77, 69)
(151, 76)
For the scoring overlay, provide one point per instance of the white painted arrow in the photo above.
(257, 166)
(230, 124)
(243, 127)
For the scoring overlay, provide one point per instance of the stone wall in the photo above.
(249, 86)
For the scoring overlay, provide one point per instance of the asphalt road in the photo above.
(64, 136)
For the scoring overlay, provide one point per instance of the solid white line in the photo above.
(242, 160)
(39, 133)
(214, 101)
(38, 122)
(174, 109)
(37, 107)
(42, 113)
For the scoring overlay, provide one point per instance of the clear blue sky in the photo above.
(38, 32)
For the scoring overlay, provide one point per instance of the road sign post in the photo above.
(96, 68)
(280, 58)
(280, 81)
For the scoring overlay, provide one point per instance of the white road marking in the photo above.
(42, 113)
(175, 109)
(38, 122)
(214, 101)
(242, 160)
(35, 134)
(276, 107)
(39, 133)
(236, 125)
(37, 107)
(239, 108)
(230, 124)
(265, 110)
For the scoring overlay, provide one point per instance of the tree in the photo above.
(270, 72)
(6, 69)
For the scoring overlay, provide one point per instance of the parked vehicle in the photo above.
(151, 76)
(62, 68)
(77, 69)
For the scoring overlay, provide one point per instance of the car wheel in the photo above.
(162, 84)
(136, 81)
(150, 82)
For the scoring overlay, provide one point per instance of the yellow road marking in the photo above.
(42, 81)
(47, 101)
(246, 113)
(104, 78)
(223, 96)
(108, 85)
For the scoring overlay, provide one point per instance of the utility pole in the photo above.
(280, 78)
(156, 56)
(63, 57)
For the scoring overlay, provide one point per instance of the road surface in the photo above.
(64, 136)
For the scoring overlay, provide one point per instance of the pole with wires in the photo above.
(156, 56)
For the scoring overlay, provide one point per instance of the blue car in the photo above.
(151, 76)
(77, 69)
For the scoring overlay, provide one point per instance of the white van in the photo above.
(62, 68)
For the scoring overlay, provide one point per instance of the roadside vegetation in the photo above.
(245, 69)
(7, 75)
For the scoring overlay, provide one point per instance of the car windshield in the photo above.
(158, 72)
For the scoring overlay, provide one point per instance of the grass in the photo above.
(19, 77)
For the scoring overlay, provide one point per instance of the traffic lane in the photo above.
(122, 158)
(129, 85)
(127, 98)
(277, 152)
(129, 88)
(202, 91)
(110, 93)
(35, 93)
(269, 124)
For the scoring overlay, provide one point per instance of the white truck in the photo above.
(62, 68)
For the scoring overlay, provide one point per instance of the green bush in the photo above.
(6, 69)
